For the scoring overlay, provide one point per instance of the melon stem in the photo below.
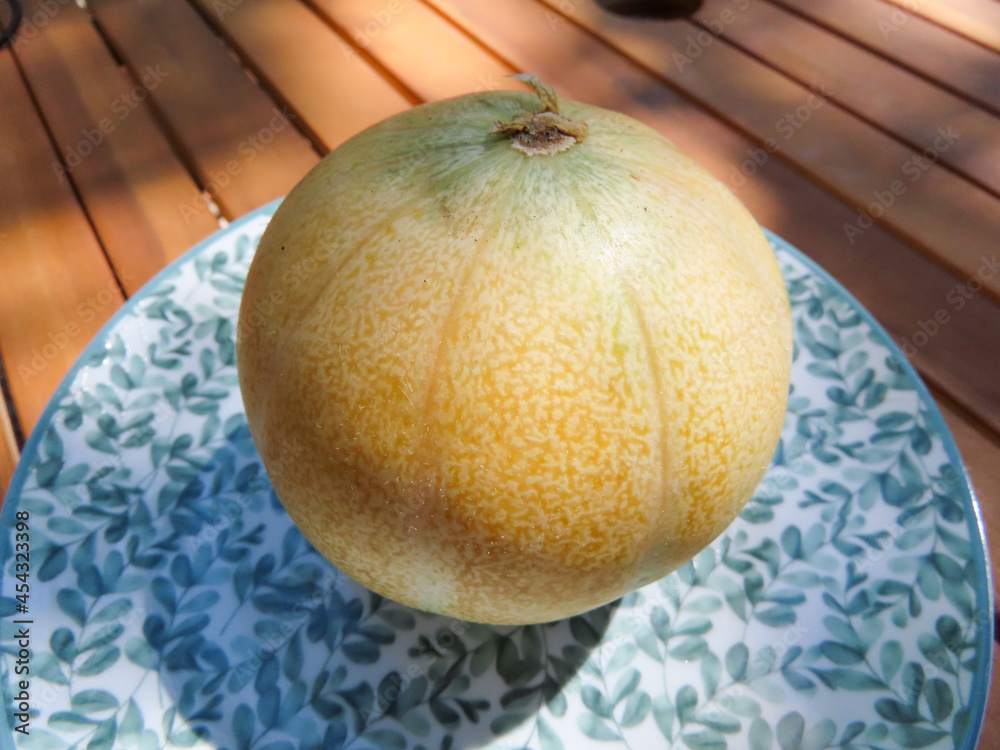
(544, 132)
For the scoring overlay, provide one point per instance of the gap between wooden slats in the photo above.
(243, 149)
(978, 20)
(900, 287)
(158, 212)
(948, 60)
(418, 47)
(110, 147)
(9, 452)
(302, 61)
(56, 286)
(918, 113)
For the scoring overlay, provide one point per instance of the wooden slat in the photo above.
(952, 220)
(978, 20)
(243, 148)
(123, 168)
(990, 738)
(949, 60)
(56, 287)
(8, 450)
(433, 58)
(335, 92)
(917, 112)
(779, 197)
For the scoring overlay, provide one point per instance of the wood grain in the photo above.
(896, 33)
(917, 113)
(978, 20)
(334, 91)
(433, 58)
(110, 147)
(56, 286)
(242, 147)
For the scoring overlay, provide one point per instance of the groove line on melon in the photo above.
(449, 332)
(348, 255)
(634, 308)
(656, 373)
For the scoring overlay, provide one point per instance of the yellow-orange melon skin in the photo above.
(505, 388)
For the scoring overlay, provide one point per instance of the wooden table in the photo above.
(867, 133)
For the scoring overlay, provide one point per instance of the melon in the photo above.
(507, 357)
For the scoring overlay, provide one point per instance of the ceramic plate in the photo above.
(169, 602)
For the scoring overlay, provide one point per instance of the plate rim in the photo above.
(981, 552)
(985, 592)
